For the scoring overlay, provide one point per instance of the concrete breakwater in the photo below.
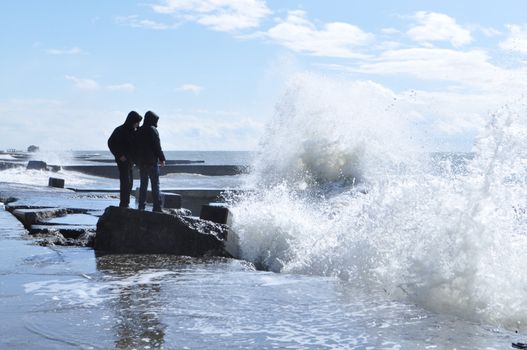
(111, 171)
(64, 217)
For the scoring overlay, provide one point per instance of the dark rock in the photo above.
(56, 182)
(215, 213)
(171, 200)
(123, 230)
(33, 148)
(36, 165)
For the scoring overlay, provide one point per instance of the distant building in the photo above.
(33, 148)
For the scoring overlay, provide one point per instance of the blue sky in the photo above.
(214, 69)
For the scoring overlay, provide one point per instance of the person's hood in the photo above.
(151, 119)
(132, 118)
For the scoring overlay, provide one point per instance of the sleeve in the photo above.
(114, 144)
(157, 145)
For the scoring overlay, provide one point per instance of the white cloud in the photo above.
(336, 39)
(517, 39)
(39, 121)
(71, 51)
(434, 26)
(195, 89)
(488, 31)
(467, 68)
(83, 84)
(211, 130)
(126, 87)
(135, 22)
(220, 15)
(92, 85)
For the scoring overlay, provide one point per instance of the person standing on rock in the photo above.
(150, 156)
(120, 144)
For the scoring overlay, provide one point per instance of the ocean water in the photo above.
(352, 238)
(170, 181)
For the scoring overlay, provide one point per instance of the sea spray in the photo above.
(326, 131)
(338, 193)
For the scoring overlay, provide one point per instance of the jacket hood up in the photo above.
(132, 118)
(151, 119)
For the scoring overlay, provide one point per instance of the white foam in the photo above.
(91, 292)
(40, 178)
(451, 243)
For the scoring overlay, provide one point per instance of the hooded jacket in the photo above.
(120, 142)
(148, 144)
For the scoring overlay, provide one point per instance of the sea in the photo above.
(352, 236)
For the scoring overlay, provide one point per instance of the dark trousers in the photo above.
(126, 179)
(149, 172)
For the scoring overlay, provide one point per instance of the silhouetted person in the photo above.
(121, 146)
(150, 156)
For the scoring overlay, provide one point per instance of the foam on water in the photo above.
(40, 177)
(86, 292)
(340, 192)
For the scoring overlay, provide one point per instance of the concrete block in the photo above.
(171, 200)
(56, 182)
(215, 213)
(30, 217)
(129, 231)
(148, 195)
(36, 165)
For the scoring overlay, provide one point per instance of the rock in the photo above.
(36, 165)
(215, 213)
(33, 148)
(56, 182)
(171, 200)
(125, 231)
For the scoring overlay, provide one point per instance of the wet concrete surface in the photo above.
(56, 297)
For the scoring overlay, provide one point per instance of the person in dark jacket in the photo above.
(150, 156)
(121, 145)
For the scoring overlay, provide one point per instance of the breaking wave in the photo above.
(341, 191)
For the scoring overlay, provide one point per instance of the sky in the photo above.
(213, 70)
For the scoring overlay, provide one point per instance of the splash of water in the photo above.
(451, 242)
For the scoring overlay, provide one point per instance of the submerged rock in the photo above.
(130, 231)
